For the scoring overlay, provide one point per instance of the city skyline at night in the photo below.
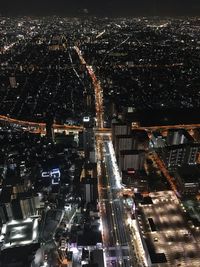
(100, 134)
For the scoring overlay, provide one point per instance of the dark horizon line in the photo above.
(85, 16)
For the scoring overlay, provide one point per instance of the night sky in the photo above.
(101, 7)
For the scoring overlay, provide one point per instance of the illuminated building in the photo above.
(178, 155)
(123, 142)
(88, 138)
(188, 178)
(20, 242)
(119, 129)
(13, 83)
(17, 204)
(89, 187)
(49, 127)
(178, 136)
(131, 159)
(140, 139)
(157, 140)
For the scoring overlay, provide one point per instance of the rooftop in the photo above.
(189, 173)
(172, 234)
(19, 233)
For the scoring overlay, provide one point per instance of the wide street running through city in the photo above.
(118, 250)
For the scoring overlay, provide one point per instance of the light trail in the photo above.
(150, 65)
(97, 90)
(7, 47)
(118, 211)
(100, 34)
(114, 230)
(167, 127)
(115, 166)
(115, 47)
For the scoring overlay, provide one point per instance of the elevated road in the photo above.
(167, 127)
(38, 127)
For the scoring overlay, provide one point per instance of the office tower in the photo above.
(178, 136)
(131, 159)
(16, 203)
(188, 179)
(49, 127)
(88, 141)
(157, 140)
(13, 83)
(120, 129)
(140, 139)
(123, 142)
(178, 155)
(89, 187)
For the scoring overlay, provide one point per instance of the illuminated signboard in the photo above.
(131, 171)
(55, 175)
(45, 174)
(86, 119)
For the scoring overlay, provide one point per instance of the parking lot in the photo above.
(171, 234)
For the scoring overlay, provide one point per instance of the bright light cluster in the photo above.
(15, 232)
(114, 164)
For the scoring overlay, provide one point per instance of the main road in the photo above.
(118, 250)
(97, 89)
(124, 250)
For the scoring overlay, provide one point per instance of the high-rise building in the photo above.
(88, 141)
(157, 140)
(188, 178)
(140, 139)
(192, 154)
(131, 159)
(5, 204)
(196, 134)
(123, 142)
(97, 257)
(135, 179)
(13, 83)
(120, 129)
(19, 256)
(17, 205)
(177, 155)
(89, 187)
(49, 130)
(178, 136)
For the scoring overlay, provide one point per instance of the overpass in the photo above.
(166, 127)
(39, 127)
